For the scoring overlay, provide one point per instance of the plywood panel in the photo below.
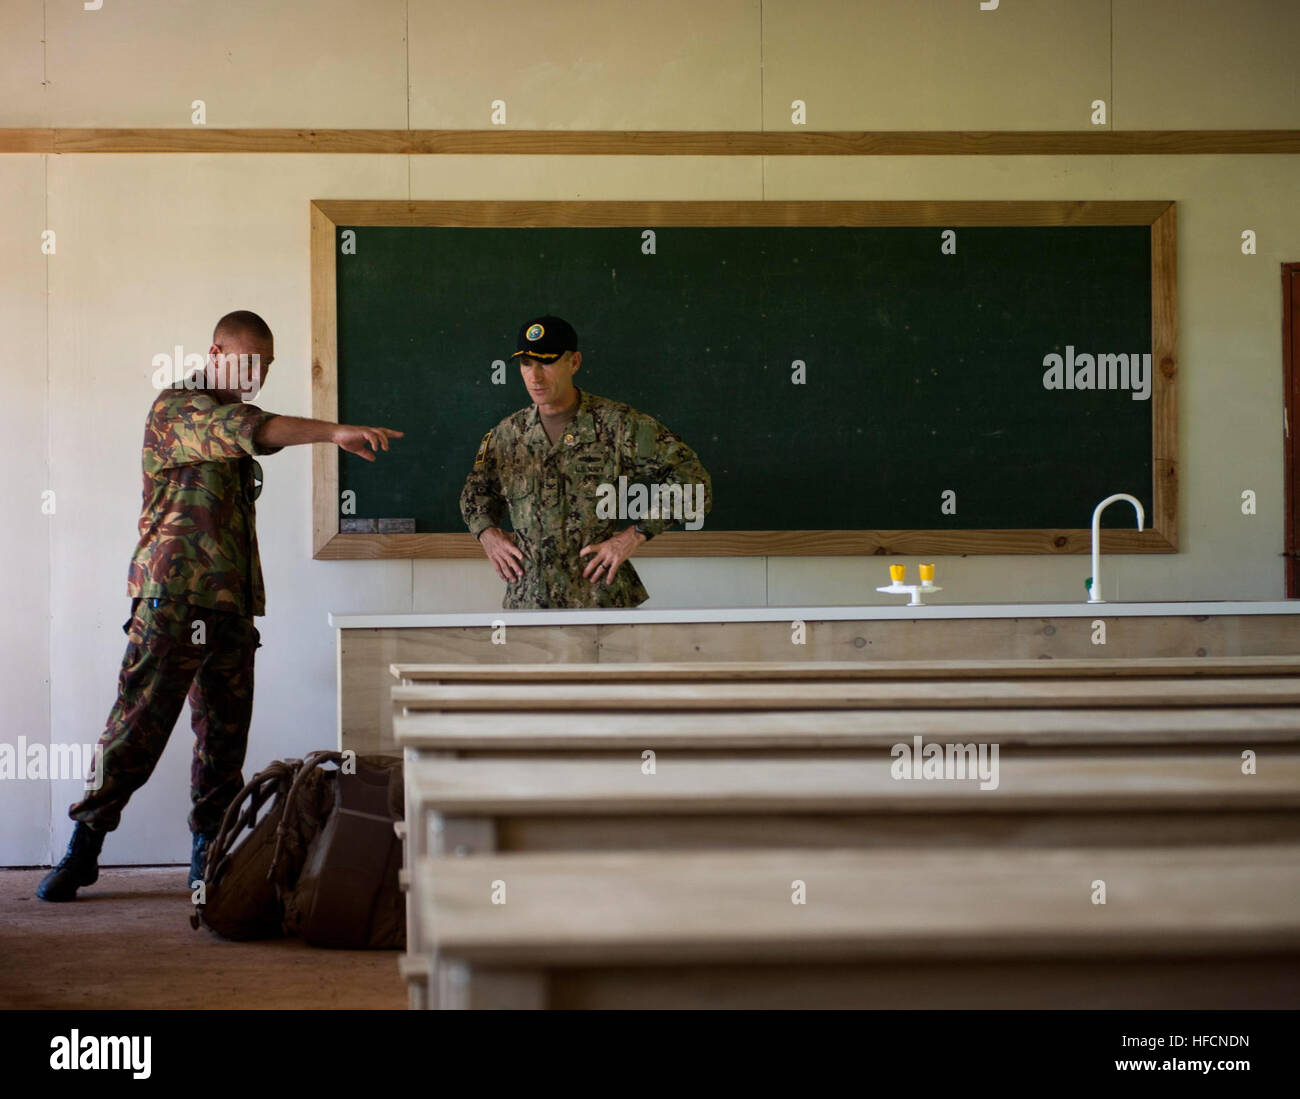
(26, 807)
(954, 639)
(293, 63)
(933, 66)
(22, 65)
(1180, 65)
(567, 64)
(365, 705)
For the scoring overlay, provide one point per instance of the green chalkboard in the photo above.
(923, 371)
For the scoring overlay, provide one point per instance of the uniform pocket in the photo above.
(521, 500)
(520, 486)
(589, 488)
(592, 478)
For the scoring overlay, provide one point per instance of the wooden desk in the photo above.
(1189, 927)
(478, 807)
(868, 635)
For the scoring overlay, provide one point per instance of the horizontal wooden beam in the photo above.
(1201, 781)
(991, 694)
(683, 907)
(591, 733)
(761, 671)
(652, 142)
(740, 212)
(778, 543)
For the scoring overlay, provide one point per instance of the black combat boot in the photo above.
(198, 858)
(80, 866)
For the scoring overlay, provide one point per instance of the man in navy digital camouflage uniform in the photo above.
(548, 466)
(195, 584)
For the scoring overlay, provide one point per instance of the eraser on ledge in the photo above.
(352, 525)
(396, 526)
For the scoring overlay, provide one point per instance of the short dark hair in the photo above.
(241, 322)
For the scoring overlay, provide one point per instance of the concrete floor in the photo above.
(126, 942)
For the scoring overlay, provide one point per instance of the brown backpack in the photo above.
(321, 862)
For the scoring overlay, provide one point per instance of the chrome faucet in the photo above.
(1094, 593)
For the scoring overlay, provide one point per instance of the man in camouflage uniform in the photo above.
(545, 466)
(195, 583)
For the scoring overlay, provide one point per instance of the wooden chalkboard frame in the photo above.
(1159, 537)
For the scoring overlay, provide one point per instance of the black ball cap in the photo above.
(545, 338)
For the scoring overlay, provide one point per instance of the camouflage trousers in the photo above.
(174, 651)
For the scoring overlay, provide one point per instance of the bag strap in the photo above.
(289, 818)
(243, 811)
(241, 814)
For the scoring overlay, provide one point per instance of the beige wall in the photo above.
(151, 249)
(25, 534)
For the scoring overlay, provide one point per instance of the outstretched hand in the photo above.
(355, 439)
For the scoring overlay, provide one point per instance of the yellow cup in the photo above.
(927, 572)
(897, 572)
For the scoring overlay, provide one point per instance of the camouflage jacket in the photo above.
(198, 538)
(551, 493)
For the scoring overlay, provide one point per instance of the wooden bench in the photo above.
(769, 671)
(1116, 713)
(482, 806)
(785, 732)
(1182, 927)
(1150, 756)
(890, 695)
(476, 807)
